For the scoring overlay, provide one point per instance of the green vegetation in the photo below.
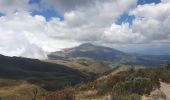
(130, 84)
(130, 81)
(126, 84)
(66, 94)
(167, 66)
(102, 87)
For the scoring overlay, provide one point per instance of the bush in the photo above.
(131, 89)
(121, 93)
(165, 76)
(167, 66)
(127, 96)
(102, 87)
(105, 86)
(149, 73)
(139, 86)
(134, 97)
(67, 94)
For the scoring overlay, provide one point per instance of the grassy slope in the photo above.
(47, 75)
(19, 90)
(96, 67)
(124, 83)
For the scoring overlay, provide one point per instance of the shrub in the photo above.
(134, 97)
(127, 96)
(138, 86)
(121, 93)
(67, 94)
(149, 73)
(167, 66)
(102, 87)
(131, 89)
(165, 76)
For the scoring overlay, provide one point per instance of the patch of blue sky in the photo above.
(34, 1)
(1, 14)
(142, 2)
(125, 18)
(48, 14)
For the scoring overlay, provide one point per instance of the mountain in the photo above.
(47, 75)
(84, 52)
(92, 51)
(150, 60)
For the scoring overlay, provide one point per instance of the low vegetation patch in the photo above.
(67, 94)
(130, 84)
(17, 90)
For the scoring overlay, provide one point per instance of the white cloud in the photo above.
(27, 37)
(165, 1)
(152, 21)
(88, 23)
(121, 34)
(150, 26)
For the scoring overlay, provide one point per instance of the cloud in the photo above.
(29, 37)
(14, 44)
(12, 6)
(152, 21)
(151, 25)
(66, 5)
(121, 34)
(88, 23)
(14, 36)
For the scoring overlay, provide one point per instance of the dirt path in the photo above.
(166, 89)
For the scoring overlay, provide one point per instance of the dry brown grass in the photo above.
(67, 94)
(70, 64)
(19, 90)
(95, 67)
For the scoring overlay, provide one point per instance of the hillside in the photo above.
(47, 75)
(85, 65)
(19, 90)
(124, 83)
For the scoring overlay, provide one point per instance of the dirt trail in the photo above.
(166, 89)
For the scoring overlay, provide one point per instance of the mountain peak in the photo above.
(87, 45)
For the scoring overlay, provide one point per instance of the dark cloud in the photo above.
(66, 5)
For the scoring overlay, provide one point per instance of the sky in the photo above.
(33, 28)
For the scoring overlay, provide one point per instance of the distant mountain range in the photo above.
(155, 51)
(102, 53)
